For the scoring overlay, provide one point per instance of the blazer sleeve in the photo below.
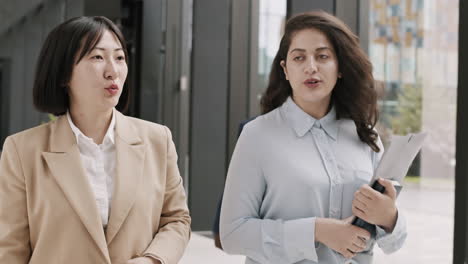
(14, 228)
(172, 238)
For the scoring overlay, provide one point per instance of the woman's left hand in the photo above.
(377, 208)
(143, 260)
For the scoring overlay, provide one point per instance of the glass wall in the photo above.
(271, 23)
(414, 49)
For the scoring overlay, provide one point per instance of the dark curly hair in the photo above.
(353, 96)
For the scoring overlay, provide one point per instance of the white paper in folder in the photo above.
(399, 156)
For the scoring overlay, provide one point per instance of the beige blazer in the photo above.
(48, 213)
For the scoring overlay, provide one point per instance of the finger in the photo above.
(358, 212)
(346, 254)
(366, 205)
(367, 191)
(355, 248)
(362, 233)
(362, 193)
(363, 240)
(389, 188)
(349, 254)
(360, 196)
(359, 204)
(360, 243)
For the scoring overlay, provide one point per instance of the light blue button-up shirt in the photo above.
(288, 169)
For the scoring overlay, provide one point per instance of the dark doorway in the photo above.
(131, 25)
(4, 99)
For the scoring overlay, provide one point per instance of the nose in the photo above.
(110, 72)
(311, 66)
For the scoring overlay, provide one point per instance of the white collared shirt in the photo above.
(99, 164)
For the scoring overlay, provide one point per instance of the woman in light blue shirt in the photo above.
(299, 172)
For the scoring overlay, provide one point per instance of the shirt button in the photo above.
(333, 214)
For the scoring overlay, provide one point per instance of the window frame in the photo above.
(460, 246)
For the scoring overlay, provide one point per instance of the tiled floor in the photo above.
(201, 250)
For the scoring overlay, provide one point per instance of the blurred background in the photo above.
(201, 66)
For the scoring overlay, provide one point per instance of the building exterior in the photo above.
(414, 50)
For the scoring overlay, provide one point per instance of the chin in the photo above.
(114, 100)
(109, 105)
(315, 98)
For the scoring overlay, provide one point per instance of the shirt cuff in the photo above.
(392, 241)
(149, 255)
(299, 239)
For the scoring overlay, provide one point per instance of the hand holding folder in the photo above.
(394, 166)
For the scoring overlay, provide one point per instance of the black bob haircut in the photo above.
(64, 47)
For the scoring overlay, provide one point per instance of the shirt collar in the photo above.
(302, 122)
(109, 136)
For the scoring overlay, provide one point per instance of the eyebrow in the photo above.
(303, 50)
(99, 48)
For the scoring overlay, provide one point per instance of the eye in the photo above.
(323, 56)
(97, 57)
(121, 58)
(298, 58)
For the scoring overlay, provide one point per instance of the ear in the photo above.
(339, 75)
(283, 65)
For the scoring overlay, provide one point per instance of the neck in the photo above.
(315, 110)
(92, 124)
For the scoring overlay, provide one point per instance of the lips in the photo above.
(112, 89)
(312, 82)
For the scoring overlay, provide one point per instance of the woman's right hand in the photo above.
(341, 236)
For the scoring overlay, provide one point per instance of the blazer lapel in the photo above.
(64, 162)
(130, 152)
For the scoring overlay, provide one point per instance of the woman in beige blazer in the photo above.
(93, 186)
